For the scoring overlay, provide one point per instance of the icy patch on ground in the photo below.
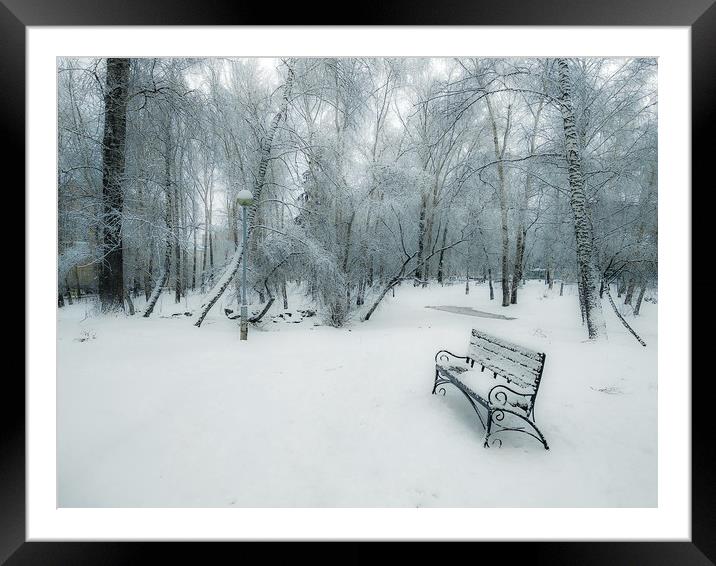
(470, 312)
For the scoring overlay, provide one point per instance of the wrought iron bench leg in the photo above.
(501, 415)
(439, 381)
(488, 428)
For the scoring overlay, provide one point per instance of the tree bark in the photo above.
(519, 259)
(111, 275)
(421, 239)
(177, 250)
(193, 262)
(130, 304)
(148, 277)
(639, 299)
(442, 255)
(587, 272)
(77, 280)
(629, 291)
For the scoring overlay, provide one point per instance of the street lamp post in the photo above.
(244, 198)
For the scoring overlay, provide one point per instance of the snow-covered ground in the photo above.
(158, 413)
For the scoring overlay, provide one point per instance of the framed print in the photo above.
(392, 281)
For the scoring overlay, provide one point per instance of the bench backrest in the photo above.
(517, 364)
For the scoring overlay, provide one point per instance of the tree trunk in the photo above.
(580, 292)
(360, 296)
(211, 257)
(77, 280)
(519, 259)
(505, 238)
(130, 304)
(177, 250)
(419, 271)
(629, 291)
(430, 212)
(161, 281)
(499, 154)
(521, 236)
(442, 255)
(346, 257)
(391, 285)
(204, 255)
(578, 200)
(621, 286)
(148, 278)
(193, 263)
(639, 299)
(111, 276)
(284, 294)
(69, 292)
(489, 278)
(168, 208)
(624, 322)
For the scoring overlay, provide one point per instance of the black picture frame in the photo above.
(700, 15)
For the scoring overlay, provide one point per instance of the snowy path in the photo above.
(471, 312)
(155, 412)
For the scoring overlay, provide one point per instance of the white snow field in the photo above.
(158, 413)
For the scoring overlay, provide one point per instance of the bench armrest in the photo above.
(498, 395)
(444, 356)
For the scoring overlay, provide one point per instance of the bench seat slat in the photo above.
(527, 352)
(492, 351)
(509, 372)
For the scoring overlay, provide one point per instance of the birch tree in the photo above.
(587, 272)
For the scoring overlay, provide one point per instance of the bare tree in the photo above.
(111, 277)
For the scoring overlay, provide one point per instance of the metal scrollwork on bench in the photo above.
(508, 409)
(498, 395)
(498, 416)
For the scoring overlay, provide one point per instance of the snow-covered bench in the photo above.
(507, 390)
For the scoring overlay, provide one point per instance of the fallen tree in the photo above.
(621, 318)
